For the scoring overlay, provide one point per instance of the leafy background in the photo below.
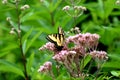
(102, 17)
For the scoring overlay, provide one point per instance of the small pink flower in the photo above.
(41, 69)
(73, 39)
(64, 56)
(45, 67)
(61, 56)
(49, 46)
(48, 65)
(96, 36)
(79, 50)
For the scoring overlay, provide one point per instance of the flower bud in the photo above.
(80, 8)
(12, 31)
(66, 8)
(4, 1)
(25, 7)
(8, 19)
(118, 2)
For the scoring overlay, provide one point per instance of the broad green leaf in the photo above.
(87, 60)
(56, 5)
(100, 10)
(114, 56)
(26, 16)
(9, 47)
(115, 73)
(108, 7)
(10, 67)
(108, 34)
(27, 35)
(32, 40)
(4, 53)
(112, 64)
(30, 63)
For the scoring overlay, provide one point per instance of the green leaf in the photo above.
(100, 9)
(109, 6)
(30, 62)
(10, 47)
(32, 40)
(27, 35)
(4, 53)
(35, 73)
(10, 67)
(24, 46)
(25, 17)
(61, 76)
(115, 57)
(101, 77)
(85, 61)
(108, 35)
(115, 73)
(112, 64)
(56, 5)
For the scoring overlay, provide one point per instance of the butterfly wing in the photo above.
(57, 39)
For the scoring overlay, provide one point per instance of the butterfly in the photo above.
(57, 39)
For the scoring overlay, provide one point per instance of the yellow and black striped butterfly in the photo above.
(57, 39)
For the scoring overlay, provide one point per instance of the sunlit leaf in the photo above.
(115, 73)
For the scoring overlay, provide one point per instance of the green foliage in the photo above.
(10, 67)
(42, 18)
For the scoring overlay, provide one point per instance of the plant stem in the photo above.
(98, 71)
(74, 16)
(20, 42)
(52, 75)
(52, 18)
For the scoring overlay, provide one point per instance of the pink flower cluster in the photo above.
(49, 46)
(46, 67)
(101, 55)
(87, 40)
(84, 44)
(64, 55)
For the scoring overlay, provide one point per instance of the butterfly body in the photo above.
(57, 39)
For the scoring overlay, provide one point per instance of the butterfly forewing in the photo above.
(52, 38)
(57, 39)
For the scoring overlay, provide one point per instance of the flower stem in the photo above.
(20, 42)
(52, 18)
(52, 75)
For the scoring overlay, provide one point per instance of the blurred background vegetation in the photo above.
(42, 18)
